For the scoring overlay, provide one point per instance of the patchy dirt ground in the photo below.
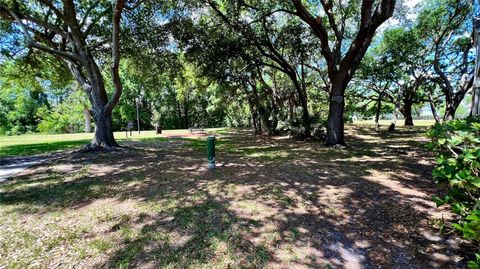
(272, 202)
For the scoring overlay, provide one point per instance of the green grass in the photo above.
(399, 122)
(32, 144)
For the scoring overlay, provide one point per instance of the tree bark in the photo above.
(291, 108)
(432, 107)
(257, 127)
(65, 40)
(103, 132)
(450, 111)
(304, 103)
(256, 123)
(475, 110)
(335, 125)
(407, 113)
(393, 123)
(274, 114)
(88, 120)
(342, 62)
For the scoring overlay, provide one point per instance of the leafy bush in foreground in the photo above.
(458, 165)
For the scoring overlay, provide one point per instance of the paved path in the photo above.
(12, 166)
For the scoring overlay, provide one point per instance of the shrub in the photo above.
(457, 143)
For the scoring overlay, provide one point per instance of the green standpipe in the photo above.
(211, 152)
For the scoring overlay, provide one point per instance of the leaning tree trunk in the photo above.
(407, 112)
(305, 114)
(335, 125)
(433, 108)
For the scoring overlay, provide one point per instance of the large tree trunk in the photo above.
(103, 132)
(450, 111)
(265, 118)
(101, 105)
(88, 120)
(74, 53)
(256, 122)
(407, 113)
(335, 125)
(305, 114)
(257, 126)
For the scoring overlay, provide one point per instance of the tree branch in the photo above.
(117, 15)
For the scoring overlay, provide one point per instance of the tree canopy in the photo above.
(291, 67)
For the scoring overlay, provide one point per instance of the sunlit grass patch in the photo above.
(32, 144)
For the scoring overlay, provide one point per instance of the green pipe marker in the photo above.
(211, 151)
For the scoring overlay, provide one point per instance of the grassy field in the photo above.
(273, 202)
(386, 123)
(32, 144)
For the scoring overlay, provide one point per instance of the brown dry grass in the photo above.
(272, 202)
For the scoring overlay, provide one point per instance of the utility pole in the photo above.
(475, 110)
(137, 100)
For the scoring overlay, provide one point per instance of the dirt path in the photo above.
(272, 203)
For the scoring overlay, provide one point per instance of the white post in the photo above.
(137, 100)
(475, 110)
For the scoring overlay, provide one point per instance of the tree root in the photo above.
(94, 147)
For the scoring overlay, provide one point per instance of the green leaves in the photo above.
(458, 144)
(474, 264)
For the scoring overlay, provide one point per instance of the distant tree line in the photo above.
(279, 67)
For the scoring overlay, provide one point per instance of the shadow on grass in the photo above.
(38, 148)
(46, 147)
(317, 208)
(204, 228)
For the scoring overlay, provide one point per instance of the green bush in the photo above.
(65, 117)
(458, 166)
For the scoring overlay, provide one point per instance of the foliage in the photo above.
(458, 167)
(258, 66)
(27, 86)
(66, 117)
